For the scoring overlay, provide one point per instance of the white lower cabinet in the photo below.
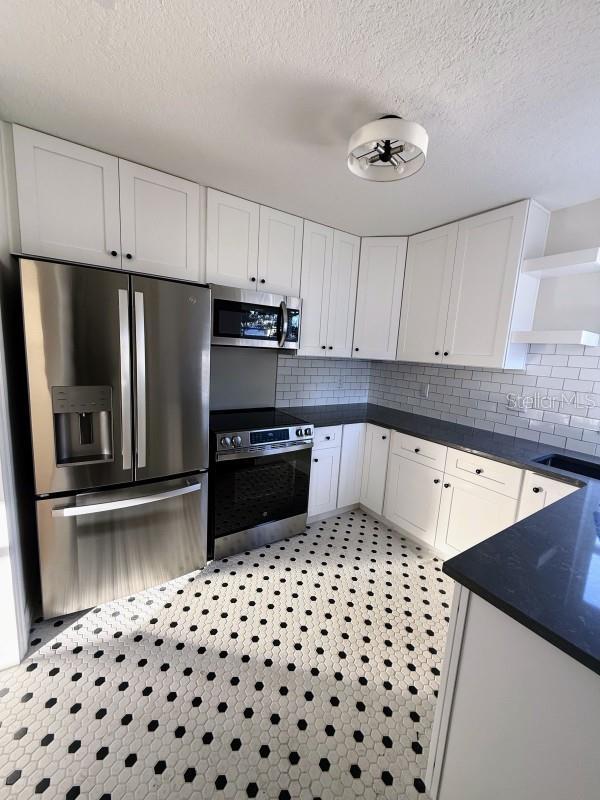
(470, 513)
(539, 492)
(412, 497)
(324, 475)
(377, 445)
(351, 464)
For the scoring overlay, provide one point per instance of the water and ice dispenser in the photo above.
(83, 426)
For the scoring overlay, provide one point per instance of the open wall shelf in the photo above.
(573, 263)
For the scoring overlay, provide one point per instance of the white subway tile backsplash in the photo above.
(556, 399)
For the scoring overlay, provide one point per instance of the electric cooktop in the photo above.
(252, 419)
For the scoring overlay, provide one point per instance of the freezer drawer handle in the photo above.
(130, 502)
(125, 378)
(140, 373)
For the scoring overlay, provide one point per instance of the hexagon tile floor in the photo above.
(305, 669)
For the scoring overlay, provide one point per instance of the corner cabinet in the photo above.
(77, 204)
(540, 491)
(249, 246)
(328, 291)
(464, 290)
(379, 297)
(377, 446)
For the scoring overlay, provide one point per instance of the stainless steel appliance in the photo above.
(260, 475)
(255, 319)
(119, 371)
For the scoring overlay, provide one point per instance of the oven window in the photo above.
(245, 321)
(252, 491)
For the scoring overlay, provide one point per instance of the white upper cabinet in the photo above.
(160, 222)
(279, 252)
(342, 297)
(231, 240)
(379, 297)
(426, 294)
(68, 198)
(486, 270)
(315, 288)
(328, 291)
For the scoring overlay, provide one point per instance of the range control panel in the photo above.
(258, 439)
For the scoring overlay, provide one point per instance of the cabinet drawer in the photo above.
(420, 450)
(325, 438)
(484, 472)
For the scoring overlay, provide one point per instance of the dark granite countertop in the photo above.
(543, 571)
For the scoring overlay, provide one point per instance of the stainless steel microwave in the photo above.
(254, 319)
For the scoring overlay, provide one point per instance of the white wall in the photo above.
(571, 303)
(14, 622)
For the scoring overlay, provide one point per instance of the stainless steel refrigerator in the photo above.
(119, 370)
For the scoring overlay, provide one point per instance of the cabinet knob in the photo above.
(436, 480)
(356, 349)
(253, 279)
(129, 256)
(262, 280)
(417, 449)
(384, 437)
(315, 460)
(328, 438)
(437, 352)
(537, 489)
(446, 486)
(114, 253)
(478, 471)
(331, 347)
(446, 353)
(323, 347)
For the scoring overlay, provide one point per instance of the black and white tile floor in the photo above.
(307, 669)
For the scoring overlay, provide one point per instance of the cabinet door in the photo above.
(470, 513)
(342, 302)
(426, 294)
(539, 491)
(68, 199)
(324, 474)
(315, 288)
(377, 443)
(351, 464)
(160, 222)
(379, 296)
(412, 497)
(486, 269)
(231, 240)
(279, 252)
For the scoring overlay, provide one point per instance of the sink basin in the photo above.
(576, 465)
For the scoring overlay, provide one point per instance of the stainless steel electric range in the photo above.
(260, 475)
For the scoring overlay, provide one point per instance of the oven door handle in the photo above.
(284, 323)
(261, 453)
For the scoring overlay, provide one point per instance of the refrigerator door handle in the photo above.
(130, 502)
(140, 378)
(124, 350)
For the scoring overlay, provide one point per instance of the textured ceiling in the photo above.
(260, 97)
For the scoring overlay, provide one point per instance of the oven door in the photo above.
(251, 491)
(255, 319)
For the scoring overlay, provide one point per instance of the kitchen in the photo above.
(299, 490)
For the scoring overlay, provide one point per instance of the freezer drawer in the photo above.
(98, 546)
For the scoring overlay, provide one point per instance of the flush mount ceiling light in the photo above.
(387, 149)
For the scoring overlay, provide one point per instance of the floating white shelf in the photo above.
(576, 262)
(556, 337)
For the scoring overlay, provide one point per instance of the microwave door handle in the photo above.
(124, 353)
(140, 379)
(284, 323)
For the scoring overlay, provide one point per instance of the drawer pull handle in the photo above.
(436, 480)
(446, 486)
(478, 471)
(417, 449)
(537, 489)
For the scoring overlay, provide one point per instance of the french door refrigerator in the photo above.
(118, 370)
